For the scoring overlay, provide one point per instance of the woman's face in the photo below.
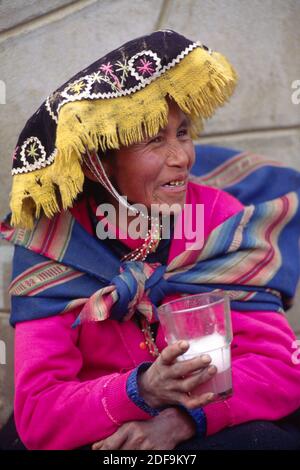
(156, 170)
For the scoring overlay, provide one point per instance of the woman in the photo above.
(90, 353)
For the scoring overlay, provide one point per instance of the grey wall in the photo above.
(43, 43)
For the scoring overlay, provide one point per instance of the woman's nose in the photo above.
(177, 156)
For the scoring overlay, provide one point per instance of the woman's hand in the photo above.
(169, 382)
(163, 432)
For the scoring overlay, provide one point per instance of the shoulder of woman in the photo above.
(219, 205)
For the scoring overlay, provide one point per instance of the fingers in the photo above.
(183, 368)
(189, 383)
(171, 352)
(191, 402)
(97, 445)
(113, 442)
(168, 380)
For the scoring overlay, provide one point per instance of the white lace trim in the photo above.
(48, 107)
(81, 95)
(34, 141)
(36, 165)
(133, 58)
(129, 91)
(85, 94)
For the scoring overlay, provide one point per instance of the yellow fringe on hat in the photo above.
(38, 190)
(199, 84)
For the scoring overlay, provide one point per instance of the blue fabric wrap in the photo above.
(101, 267)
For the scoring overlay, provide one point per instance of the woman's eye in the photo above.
(182, 133)
(155, 140)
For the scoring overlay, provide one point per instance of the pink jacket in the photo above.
(71, 383)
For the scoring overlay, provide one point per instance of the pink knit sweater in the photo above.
(71, 383)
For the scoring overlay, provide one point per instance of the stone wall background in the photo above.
(43, 43)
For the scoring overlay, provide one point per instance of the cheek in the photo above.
(153, 176)
(192, 154)
(147, 169)
(147, 181)
(138, 176)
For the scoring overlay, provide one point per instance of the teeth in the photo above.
(175, 183)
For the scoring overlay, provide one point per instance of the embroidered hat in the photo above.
(116, 101)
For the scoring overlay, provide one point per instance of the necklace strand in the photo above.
(139, 254)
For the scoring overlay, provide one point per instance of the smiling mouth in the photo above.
(175, 185)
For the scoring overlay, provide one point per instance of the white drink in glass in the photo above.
(216, 347)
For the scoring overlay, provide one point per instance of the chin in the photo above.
(172, 204)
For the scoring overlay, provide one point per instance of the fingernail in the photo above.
(206, 358)
(211, 370)
(183, 344)
(97, 446)
(210, 396)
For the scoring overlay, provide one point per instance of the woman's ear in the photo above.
(107, 160)
(87, 172)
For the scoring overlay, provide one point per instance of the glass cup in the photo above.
(204, 321)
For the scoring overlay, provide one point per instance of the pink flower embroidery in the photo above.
(108, 70)
(146, 67)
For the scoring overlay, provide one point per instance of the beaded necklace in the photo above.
(139, 254)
